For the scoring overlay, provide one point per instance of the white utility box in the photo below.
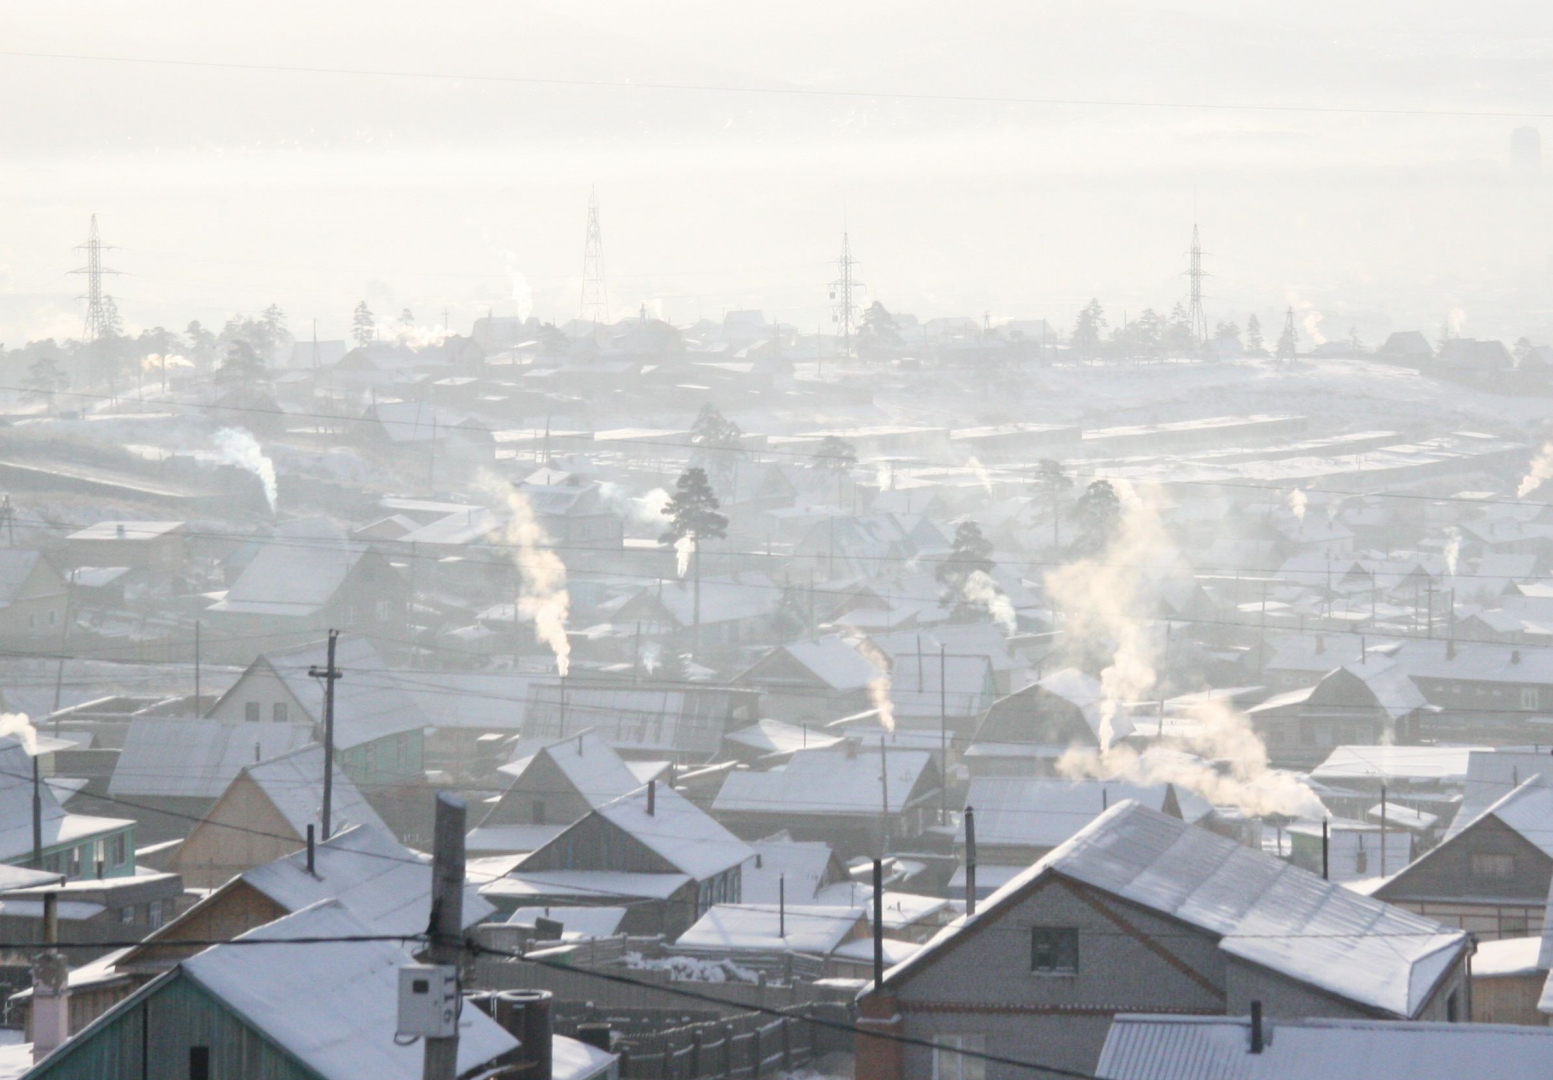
(428, 1001)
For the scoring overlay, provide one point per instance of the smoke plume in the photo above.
(879, 687)
(1221, 734)
(1298, 500)
(648, 509)
(542, 594)
(239, 447)
(684, 547)
(981, 473)
(980, 589)
(1452, 549)
(18, 726)
(1540, 472)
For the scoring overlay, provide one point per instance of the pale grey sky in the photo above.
(229, 188)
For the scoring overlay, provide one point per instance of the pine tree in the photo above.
(1052, 482)
(1089, 329)
(692, 514)
(1097, 512)
(1254, 343)
(971, 552)
(363, 325)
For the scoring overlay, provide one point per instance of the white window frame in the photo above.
(950, 1065)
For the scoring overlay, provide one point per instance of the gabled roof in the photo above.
(332, 1005)
(1493, 774)
(369, 700)
(1425, 763)
(294, 573)
(589, 764)
(170, 758)
(1160, 1047)
(678, 831)
(1017, 721)
(830, 782)
(294, 783)
(59, 826)
(802, 864)
(16, 566)
(1261, 909)
(1044, 811)
(830, 660)
(383, 883)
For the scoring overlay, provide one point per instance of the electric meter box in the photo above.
(428, 1001)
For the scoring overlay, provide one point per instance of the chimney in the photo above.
(526, 1014)
(652, 797)
(1326, 848)
(760, 861)
(310, 848)
(119, 531)
(1257, 1039)
(50, 987)
(970, 861)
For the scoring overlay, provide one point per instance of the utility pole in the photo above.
(197, 706)
(331, 674)
(37, 815)
(943, 734)
(841, 292)
(447, 919)
(1195, 315)
(64, 645)
(595, 297)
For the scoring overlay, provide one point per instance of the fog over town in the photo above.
(811, 543)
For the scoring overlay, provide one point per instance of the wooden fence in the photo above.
(750, 1046)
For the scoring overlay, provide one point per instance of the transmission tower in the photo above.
(841, 292)
(1196, 316)
(595, 298)
(99, 322)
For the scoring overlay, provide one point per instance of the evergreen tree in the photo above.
(1097, 512)
(44, 380)
(837, 456)
(879, 329)
(692, 514)
(1254, 343)
(1089, 329)
(717, 442)
(243, 367)
(363, 325)
(1178, 332)
(1522, 349)
(971, 552)
(1051, 483)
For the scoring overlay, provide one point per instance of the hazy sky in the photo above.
(228, 188)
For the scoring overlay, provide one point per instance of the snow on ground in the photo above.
(693, 969)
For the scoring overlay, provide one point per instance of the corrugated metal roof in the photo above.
(196, 758)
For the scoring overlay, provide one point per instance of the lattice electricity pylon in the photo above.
(841, 294)
(595, 297)
(99, 317)
(1196, 317)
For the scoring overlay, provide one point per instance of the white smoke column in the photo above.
(1540, 472)
(1456, 320)
(979, 588)
(239, 447)
(1105, 600)
(1452, 549)
(18, 726)
(1221, 734)
(879, 687)
(1298, 500)
(981, 473)
(648, 509)
(652, 656)
(542, 594)
(684, 547)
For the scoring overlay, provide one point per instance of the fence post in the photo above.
(667, 1072)
(728, 1052)
(755, 1051)
(787, 1046)
(695, 1054)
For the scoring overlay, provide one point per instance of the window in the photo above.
(199, 1063)
(154, 914)
(120, 849)
(127, 914)
(1451, 1008)
(1054, 950)
(251, 712)
(1489, 865)
(279, 712)
(949, 1063)
(1529, 698)
(385, 610)
(538, 812)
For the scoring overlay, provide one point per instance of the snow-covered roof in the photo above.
(294, 782)
(1429, 763)
(810, 928)
(1160, 1047)
(383, 883)
(577, 923)
(294, 573)
(1263, 910)
(370, 700)
(585, 884)
(800, 863)
(1507, 956)
(1493, 774)
(196, 758)
(332, 1005)
(677, 830)
(589, 764)
(1044, 811)
(58, 825)
(831, 781)
(779, 737)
